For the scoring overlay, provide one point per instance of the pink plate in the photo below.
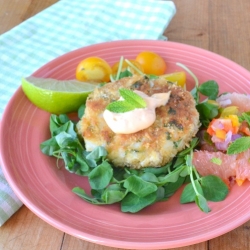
(46, 190)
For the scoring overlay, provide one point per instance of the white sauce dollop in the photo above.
(137, 119)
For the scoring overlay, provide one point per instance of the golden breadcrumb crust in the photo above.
(175, 125)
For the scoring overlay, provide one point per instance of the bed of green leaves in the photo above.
(136, 189)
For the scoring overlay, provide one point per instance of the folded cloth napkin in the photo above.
(65, 26)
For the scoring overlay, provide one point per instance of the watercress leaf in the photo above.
(60, 129)
(53, 124)
(202, 203)
(81, 193)
(239, 145)
(185, 172)
(68, 127)
(82, 161)
(65, 140)
(172, 187)
(179, 161)
(100, 176)
(207, 112)
(189, 160)
(150, 177)
(49, 147)
(118, 174)
(214, 188)
(131, 171)
(171, 177)
(97, 154)
(160, 194)
(158, 171)
(138, 186)
(62, 118)
(70, 162)
(71, 129)
(188, 194)
(91, 162)
(112, 194)
(133, 203)
(81, 111)
(209, 89)
(78, 171)
(56, 121)
(97, 193)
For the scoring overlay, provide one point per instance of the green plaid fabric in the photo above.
(65, 26)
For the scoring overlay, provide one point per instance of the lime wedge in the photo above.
(56, 96)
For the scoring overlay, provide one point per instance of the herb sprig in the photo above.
(130, 101)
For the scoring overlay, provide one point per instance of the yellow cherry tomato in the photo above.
(178, 77)
(125, 66)
(152, 63)
(93, 69)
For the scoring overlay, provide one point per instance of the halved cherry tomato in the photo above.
(93, 69)
(125, 65)
(152, 63)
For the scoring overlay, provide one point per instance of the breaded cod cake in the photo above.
(175, 125)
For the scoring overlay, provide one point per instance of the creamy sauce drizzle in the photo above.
(137, 119)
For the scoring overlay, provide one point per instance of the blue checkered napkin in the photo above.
(65, 26)
(71, 24)
(9, 203)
